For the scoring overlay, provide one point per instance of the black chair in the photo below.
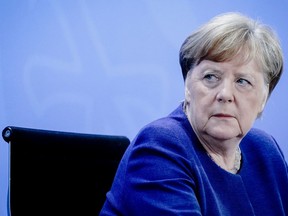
(60, 173)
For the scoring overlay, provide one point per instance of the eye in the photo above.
(211, 78)
(244, 82)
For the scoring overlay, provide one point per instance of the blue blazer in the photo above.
(166, 171)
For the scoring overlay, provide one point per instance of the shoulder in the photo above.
(165, 135)
(166, 139)
(175, 128)
(163, 128)
(261, 145)
(258, 135)
(259, 138)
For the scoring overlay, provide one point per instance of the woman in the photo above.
(204, 158)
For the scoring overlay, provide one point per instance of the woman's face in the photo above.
(224, 99)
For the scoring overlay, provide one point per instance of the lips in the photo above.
(223, 115)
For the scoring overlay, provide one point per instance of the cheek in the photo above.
(197, 93)
(196, 100)
(198, 109)
(249, 108)
(199, 99)
(255, 104)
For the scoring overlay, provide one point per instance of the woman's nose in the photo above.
(225, 92)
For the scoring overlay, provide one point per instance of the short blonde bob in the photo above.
(224, 36)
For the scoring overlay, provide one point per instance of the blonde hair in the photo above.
(224, 36)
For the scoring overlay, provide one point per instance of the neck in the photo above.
(231, 165)
(225, 153)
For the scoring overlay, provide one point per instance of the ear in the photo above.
(265, 98)
(187, 95)
(264, 101)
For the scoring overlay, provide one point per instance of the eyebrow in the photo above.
(212, 69)
(241, 74)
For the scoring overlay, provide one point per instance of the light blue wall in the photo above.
(109, 66)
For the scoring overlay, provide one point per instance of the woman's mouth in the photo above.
(223, 115)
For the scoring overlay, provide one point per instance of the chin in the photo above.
(224, 135)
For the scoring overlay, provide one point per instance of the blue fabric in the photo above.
(166, 171)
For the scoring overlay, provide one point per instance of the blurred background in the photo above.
(109, 66)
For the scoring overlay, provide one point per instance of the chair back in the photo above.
(60, 173)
